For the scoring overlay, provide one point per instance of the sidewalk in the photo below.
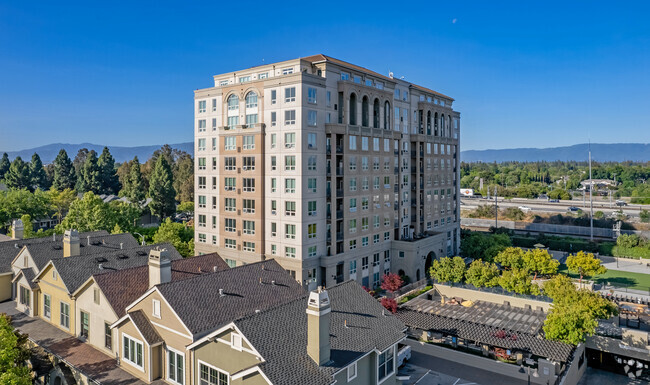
(80, 356)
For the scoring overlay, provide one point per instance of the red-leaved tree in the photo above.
(390, 304)
(391, 282)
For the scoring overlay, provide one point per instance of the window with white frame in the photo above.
(311, 95)
(230, 204)
(289, 117)
(290, 140)
(201, 163)
(230, 243)
(230, 225)
(212, 376)
(311, 140)
(353, 267)
(202, 182)
(65, 315)
(175, 366)
(290, 94)
(230, 143)
(311, 208)
(47, 306)
(249, 246)
(201, 144)
(249, 227)
(290, 162)
(289, 208)
(249, 142)
(311, 252)
(290, 185)
(132, 351)
(287, 71)
(249, 206)
(352, 369)
(311, 185)
(202, 106)
(202, 125)
(290, 231)
(290, 252)
(202, 201)
(311, 230)
(385, 364)
(311, 163)
(249, 184)
(353, 142)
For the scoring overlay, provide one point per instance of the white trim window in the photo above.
(175, 366)
(132, 351)
(352, 369)
(47, 306)
(385, 364)
(209, 375)
(65, 315)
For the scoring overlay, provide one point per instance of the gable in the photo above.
(23, 260)
(86, 295)
(51, 277)
(168, 318)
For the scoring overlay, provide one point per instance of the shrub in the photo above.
(390, 304)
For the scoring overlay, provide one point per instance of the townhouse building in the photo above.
(335, 171)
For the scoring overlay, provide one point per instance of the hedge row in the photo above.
(631, 252)
(571, 246)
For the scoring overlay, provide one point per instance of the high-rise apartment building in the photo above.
(335, 171)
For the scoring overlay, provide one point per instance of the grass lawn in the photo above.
(637, 281)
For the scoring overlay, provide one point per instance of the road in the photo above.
(538, 205)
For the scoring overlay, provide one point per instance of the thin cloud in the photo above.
(454, 21)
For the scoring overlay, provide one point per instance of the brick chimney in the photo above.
(160, 267)
(17, 229)
(318, 326)
(71, 244)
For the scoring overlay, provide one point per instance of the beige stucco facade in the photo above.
(376, 161)
(5, 286)
(91, 300)
(53, 287)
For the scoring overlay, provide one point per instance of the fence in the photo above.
(581, 231)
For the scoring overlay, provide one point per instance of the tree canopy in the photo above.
(584, 264)
(13, 355)
(482, 274)
(65, 176)
(178, 235)
(37, 173)
(448, 269)
(18, 176)
(161, 189)
(483, 246)
(108, 178)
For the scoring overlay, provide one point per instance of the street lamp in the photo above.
(527, 370)
(141, 236)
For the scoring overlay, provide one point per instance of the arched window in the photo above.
(428, 122)
(375, 114)
(386, 116)
(353, 109)
(435, 124)
(233, 102)
(365, 112)
(251, 100)
(442, 125)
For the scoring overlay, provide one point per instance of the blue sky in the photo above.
(523, 75)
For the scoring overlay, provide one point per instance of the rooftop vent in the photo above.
(101, 259)
(221, 293)
(57, 247)
(273, 282)
(141, 253)
(215, 269)
(15, 245)
(95, 243)
(101, 267)
(122, 256)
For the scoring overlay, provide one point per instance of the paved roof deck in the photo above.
(85, 358)
(499, 316)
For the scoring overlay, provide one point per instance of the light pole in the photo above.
(496, 209)
(527, 370)
(591, 202)
(141, 236)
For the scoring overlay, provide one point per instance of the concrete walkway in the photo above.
(81, 356)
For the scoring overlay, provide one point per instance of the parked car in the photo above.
(403, 355)
(573, 209)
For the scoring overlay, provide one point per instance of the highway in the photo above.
(543, 206)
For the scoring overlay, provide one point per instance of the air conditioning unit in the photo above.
(272, 212)
(245, 168)
(310, 145)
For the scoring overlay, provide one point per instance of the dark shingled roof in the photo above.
(9, 251)
(74, 271)
(473, 331)
(280, 335)
(123, 287)
(142, 323)
(29, 276)
(243, 294)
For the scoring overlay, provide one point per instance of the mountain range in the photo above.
(120, 153)
(614, 152)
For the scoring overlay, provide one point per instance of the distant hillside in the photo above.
(121, 154)
(615, 152)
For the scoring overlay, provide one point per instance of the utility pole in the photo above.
(496, 209)
(591, 202)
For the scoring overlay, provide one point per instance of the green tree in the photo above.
(558, 287)
(90, 175)
(585, 264)
(109, 180)
(599, 215)
(518, 280)
(13, 355)
(28, 226)
(4, 165)
(60, 201)
(18, 175)
(184, 178)
(185, 207)
(178, 235)
(79, 160)
(482, 274)
(539, 261)
(65, 176)
(37, 173)
(133, 186)
(569, 325)
(117, 229)
(89, 213)
(448, 269)
(511, 257)
(125, 214)
(644, 215)
(14, 203)
(161, 189)
(476, 245)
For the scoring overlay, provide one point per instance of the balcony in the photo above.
(339, 236)
(339, 214)
(339, 149)
(339, 171)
